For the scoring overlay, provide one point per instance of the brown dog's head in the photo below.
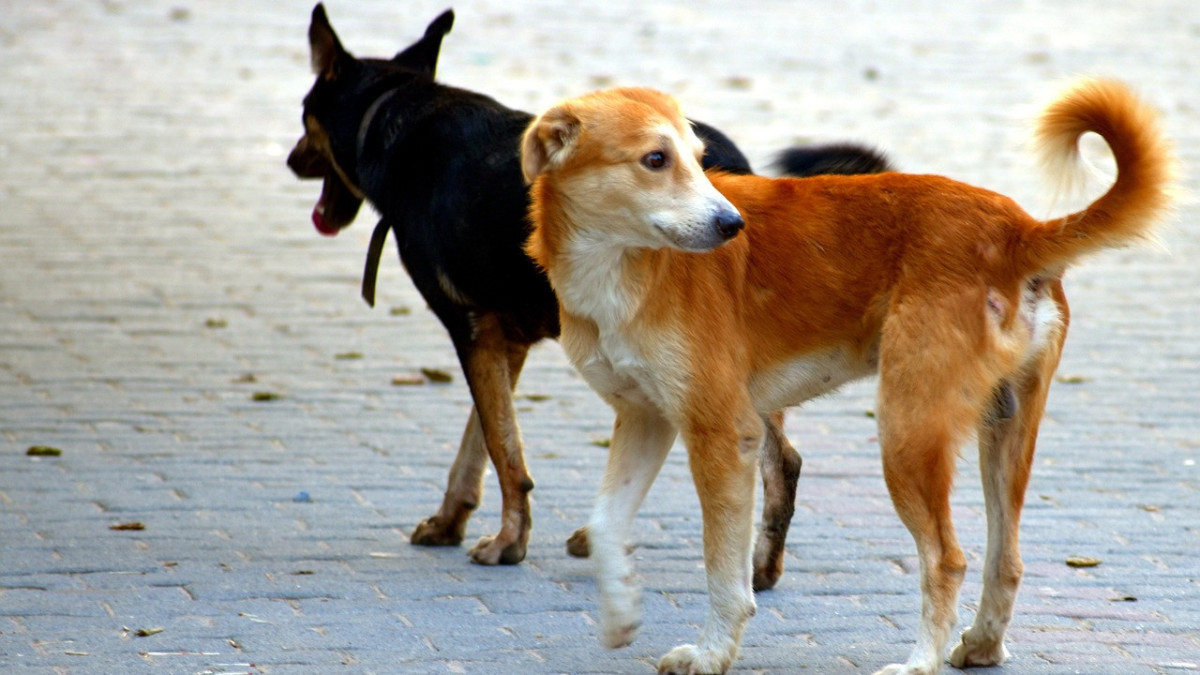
(338, 108)
(627, 162)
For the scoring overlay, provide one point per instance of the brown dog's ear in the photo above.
(326, 48)
(548, 141)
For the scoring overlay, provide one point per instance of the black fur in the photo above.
(836, 158)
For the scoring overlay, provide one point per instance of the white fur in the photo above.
(805, 377)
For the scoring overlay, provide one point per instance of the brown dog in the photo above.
(951, 293)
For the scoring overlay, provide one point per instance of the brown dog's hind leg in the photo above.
(1006, 450)
(780, 472)
(464, 490)
(933, 388)
(918, 465)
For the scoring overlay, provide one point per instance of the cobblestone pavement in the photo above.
(157, 271)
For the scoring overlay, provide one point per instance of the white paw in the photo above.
(691, 660)
(620, 618)
(617, 635)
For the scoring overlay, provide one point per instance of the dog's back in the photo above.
(447, 179)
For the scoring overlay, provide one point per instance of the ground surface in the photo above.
(157, 270)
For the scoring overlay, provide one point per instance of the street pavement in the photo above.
(172, 324)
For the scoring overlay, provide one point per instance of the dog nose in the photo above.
(728, 223)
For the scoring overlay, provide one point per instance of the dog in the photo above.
(441, 167)
(692, 302)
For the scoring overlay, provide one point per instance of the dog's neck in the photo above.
(386, 123)
(602, 281)
(369, 117)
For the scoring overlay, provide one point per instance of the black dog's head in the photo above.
(337, 108)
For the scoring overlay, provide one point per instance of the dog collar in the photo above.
(368, 117)
(374, 251)
(379, 236)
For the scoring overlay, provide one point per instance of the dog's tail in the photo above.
(1142, 192)
(847, 159)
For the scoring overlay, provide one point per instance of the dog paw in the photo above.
(767, 575)
(433, 532)
(497, 551)
(972, 652)
(620, 635)
(577, 544)
(692, 660)
(620, 616)
(908, 669)
(768, 559)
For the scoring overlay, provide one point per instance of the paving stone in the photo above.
(156, 251)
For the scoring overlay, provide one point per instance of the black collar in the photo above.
(369, 117)
(374, 251)
(379, 236)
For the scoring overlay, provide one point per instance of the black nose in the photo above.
(729, 223)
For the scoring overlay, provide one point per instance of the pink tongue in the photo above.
(318, 219)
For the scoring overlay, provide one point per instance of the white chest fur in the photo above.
(619, 367)
(602, 336)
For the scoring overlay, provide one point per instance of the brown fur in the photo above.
(951, 293)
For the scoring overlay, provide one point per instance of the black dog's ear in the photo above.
(327, 50)
(548, 141)
(422, 55)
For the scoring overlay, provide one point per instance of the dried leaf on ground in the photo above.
(436, 375)
(1071, 379)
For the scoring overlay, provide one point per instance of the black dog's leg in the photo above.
(464, 490)
(492, 364)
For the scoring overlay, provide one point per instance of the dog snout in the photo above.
(306, 162)
(728, 222)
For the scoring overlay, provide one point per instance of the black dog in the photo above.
(441, 165)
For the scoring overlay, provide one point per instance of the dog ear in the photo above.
(422, 55)
(548, 140)
(326, 49)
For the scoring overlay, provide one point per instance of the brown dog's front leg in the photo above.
(723, 456)
(780, 474)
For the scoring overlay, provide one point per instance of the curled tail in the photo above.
(1141, 194)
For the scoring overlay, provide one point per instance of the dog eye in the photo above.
(655, 160)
